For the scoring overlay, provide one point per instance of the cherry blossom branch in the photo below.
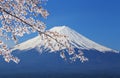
(30, 25)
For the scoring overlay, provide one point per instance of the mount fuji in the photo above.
(78, 40)
(103, 61)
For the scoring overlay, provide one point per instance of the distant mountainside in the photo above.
(50, 65)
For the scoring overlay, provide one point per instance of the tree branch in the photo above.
(3, 10)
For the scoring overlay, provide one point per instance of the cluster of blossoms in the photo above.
(6, 53)
(19, 17)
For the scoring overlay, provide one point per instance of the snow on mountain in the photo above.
(78, 40)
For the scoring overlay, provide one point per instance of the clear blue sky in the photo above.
(98, 20)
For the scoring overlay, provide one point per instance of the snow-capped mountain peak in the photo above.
(58, 28)
(78, 40)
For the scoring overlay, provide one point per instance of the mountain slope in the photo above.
(76, 39)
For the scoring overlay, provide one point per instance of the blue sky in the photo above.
(98, 20)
